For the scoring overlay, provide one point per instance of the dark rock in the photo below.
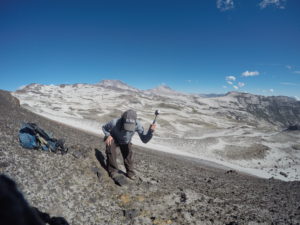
(179, 210)
(78, 151)
(232, 223)
(119, 180)
(130, 213)
(183, 197)
(208, 181)
(230, 171)
(283, 174)
(99, 176)
(192, 212)
(95, 170)
(92, 200)
(293, 127)
(296, 147)
(4, 164)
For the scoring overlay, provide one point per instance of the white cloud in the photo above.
(250, 73)
(297, 98)
(230, 78)
(289, 67)
(225, 5)
(289, 84)
(224, 86)
(277, 3)
(268, 91)
(298, 72)
(241, 84)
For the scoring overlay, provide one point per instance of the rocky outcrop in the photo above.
(278, 110)
(8, 101)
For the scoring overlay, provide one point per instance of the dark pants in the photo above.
(111, 162)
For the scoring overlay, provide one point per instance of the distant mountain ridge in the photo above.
(110, 84)
(164, 90)
(277, 110)
(117, 84)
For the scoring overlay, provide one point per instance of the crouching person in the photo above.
(118, 133)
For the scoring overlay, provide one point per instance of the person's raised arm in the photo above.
(145, 137)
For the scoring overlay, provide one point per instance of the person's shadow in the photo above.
(101, 158)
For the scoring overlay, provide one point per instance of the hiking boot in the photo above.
(131, 176)
(119, 179)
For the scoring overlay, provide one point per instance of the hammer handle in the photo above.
(154, 120)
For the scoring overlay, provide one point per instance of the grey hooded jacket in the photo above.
(121, 136)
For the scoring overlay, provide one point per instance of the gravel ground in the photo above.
(169, 189)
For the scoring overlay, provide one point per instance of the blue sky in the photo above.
(207, 46)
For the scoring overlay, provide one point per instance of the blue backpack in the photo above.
(33, 137)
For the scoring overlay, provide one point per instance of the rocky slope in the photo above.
(170, 189)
